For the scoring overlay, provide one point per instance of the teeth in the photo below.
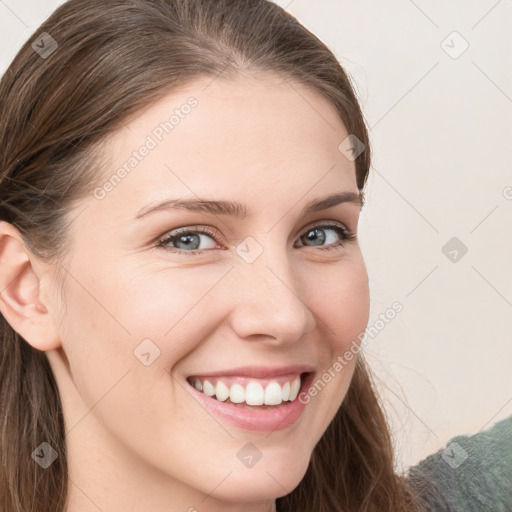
(221, 391)
(286, 392)
(237, 394)
(273, 394)
(208, 388)
(253, 393)
(294, 389)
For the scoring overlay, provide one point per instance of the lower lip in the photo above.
(256, 419)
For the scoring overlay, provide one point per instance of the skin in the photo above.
(137, 438)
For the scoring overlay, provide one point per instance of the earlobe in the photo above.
(20, 300)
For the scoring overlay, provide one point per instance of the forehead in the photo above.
(246, 136)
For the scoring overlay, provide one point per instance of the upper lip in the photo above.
(258, 372)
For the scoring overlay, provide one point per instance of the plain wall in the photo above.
(440, 127)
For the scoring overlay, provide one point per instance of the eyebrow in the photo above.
(239, 210)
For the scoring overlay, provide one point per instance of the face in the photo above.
(161, 299)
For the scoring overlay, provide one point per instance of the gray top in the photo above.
(471, 474)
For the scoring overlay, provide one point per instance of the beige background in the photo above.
(441, 132)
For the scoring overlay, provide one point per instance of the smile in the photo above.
(257, 398)
(251, 391)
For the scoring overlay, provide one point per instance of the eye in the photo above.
(316, 235)
(184, 239)
(188, 240)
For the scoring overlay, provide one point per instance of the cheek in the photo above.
(113, 311)
(177, 308)
(343, 311)
(340, 300)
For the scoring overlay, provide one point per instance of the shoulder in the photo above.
(472, 473)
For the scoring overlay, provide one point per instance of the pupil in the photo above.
(188, 240)
(316, 237)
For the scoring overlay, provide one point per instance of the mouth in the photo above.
(249, 391)
(256, 399)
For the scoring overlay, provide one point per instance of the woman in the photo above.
(180, 191)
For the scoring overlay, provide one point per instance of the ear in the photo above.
(21, 303)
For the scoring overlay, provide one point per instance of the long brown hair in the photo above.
(89, 67)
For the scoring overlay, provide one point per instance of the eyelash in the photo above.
(346, 236)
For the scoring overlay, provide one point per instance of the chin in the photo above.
(268, 481)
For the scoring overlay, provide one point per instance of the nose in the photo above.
(268, 303)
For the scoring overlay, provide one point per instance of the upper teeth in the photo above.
(253, 393)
